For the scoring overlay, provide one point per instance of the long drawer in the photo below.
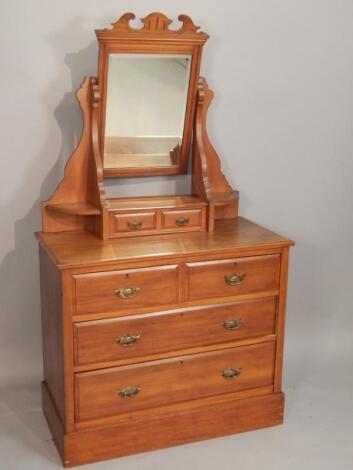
(228, 277)
(138, 335)
(109, 392)
(125, 289)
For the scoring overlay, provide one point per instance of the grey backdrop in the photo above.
(282, 123)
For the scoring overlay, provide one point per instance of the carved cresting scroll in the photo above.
(155, 22)
(155, 28)
(208, 180)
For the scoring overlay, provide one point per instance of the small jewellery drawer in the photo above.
(126, 289)
(182, 219)
(221, 278)
(138, 335)
(109, 392)
(132, 222)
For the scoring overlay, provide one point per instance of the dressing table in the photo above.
(162, 317)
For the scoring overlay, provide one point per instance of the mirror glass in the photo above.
(145, 110)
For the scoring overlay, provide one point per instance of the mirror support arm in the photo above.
(208, 181)
(79, 200)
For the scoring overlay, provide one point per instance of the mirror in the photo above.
(145, 110)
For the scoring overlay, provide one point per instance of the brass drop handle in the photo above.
(234, 279)
(128, 340)
(182, 221)
(232, 324)
(135, 224)
(231, 373)
(129, 392)
(127, 292)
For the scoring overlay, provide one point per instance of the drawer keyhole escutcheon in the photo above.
(231, 373)
(128, 340)
(135, 224)
(234, 279)
(127, 292)
(232, 324)
(129, 392)
(182, 221)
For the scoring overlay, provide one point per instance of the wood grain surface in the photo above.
(96, 341)
(172, 380)
(75, 249)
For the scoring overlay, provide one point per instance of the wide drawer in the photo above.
(118, 390)
(126, 289)
(222, 278)
(125, 337)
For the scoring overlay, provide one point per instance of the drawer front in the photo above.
(109, 392)
(123, 290)
(223, 278)
(182, 219)
(132, 222)
(125, 337)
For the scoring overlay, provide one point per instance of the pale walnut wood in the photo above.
(95, 341)
(159, 23)
(176, 219)
(155, 202)
(84, 249)
(172, 380)
(80, 203)
(167, 426)
(124, 211)
(133, 222)
(97, 292)
(124, 418)
(256, 274)
(281, 319)
(208, 180)
(248, 341)
(155, 37)
(132, 297)
(52, 332)
(79, 208)
(81, 192)
(259, 316)
(68, 349)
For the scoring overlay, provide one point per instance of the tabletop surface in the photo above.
(72, 249)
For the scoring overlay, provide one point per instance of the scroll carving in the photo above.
(155, 22)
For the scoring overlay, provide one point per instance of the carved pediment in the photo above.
(153, 23)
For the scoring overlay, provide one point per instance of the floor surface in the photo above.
(317, 434)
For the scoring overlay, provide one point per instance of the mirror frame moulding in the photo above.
(154, 37)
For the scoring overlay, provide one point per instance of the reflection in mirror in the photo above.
(145, 110)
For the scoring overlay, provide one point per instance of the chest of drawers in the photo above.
(160, 341)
